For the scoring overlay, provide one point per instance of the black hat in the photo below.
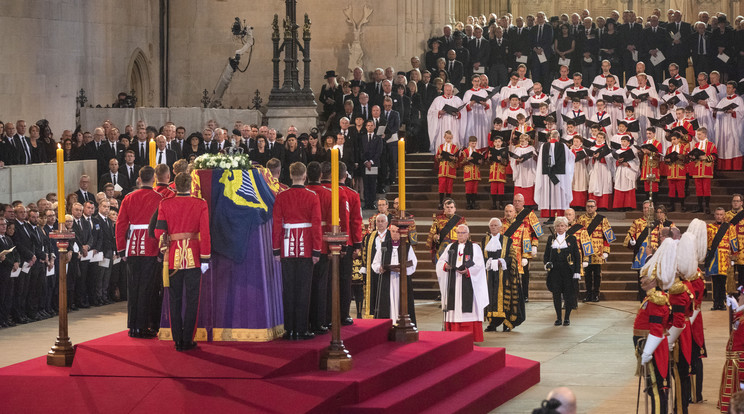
(330, 74)
(355, 82)
(722, 19)
(554, 19)
(401, 73)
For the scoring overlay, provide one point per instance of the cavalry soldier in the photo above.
(296, 241)
(601, 234)
(140, 251)
(443, 229)
(184, 222)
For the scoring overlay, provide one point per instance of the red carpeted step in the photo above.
(483, 396)
(391, 364)
(430, 387)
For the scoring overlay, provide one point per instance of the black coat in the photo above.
(565, 263)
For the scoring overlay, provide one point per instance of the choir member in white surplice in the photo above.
(461, 272)
(704, 107)
(627, 168)
(479, 113)
(555, 169)
(440, 121)
(645, 100)
(602, 167)
(387, 264)
(729, 129)
(615, 106)
(523, 169)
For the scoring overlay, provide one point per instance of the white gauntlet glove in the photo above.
(501, 263)
(674, 333)
(577, 276)
(584, 264)
(632, 242)
(534, 250)
(605, 255)
(363, 270)
(525, 262)
(489, 264)
(648, 351)
(204, 267)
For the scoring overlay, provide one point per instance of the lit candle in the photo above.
(402, 174)
(334, 187)
(152, 153)
(60, 187)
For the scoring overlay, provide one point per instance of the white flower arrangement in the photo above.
(223, 161)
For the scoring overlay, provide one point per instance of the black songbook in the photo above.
(446, 156)
(603, 123)
(726, 108)
(649, 147)
(598, 152)
(674, 100)
(695, 124)
(682, 130)
(500, 155)
(599, 86)
(477, 158)
(615, 145)
(643, 96)
(672, 157)
(630, 88)
(664, 88)
(536, 105)
(530, 133)
(579, 120)
(505, 134)
(478, 98)
(663, 121)
(539, 120)
(696, 153)
(524, 98)
(588, 143)
(700, 96)
(512, 121)
(613, 98)
(523, 157)
(581, 94)
(452, 110)
(624, 156)
(560, 90)
(543, 136)
(632, 125)
(580, 156)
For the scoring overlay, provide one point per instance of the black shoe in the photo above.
(587, 298)
(179, 346)
(148, 333)
(305, 336)
(347, 322)
(10, 322)
(595, 298)
(490, 328)
(84, 306)
(526, 300)
(188, 346)
(566, 322)
(506, 329)
(322, 330)
(288, 335)
(557, 322)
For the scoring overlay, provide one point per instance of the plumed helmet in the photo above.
(699, 230)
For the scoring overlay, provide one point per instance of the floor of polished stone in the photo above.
(594, 356)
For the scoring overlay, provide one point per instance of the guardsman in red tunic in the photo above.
(651, 323)
(499, 158)
(162, 173)
(354, 245)
(446, 159)
(680, 339)
(140, 251)
(650, 163)
(702, 170)
(184, 222)
(470, 159)
(296, 239)
(732, 380)
(319, 288)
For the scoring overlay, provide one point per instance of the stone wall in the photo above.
(29, 183)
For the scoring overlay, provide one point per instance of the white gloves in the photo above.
(632, 242)
(363, 270)
(489, 264)
(577, 276)
(525, 262)
(652, 342)
(674, 333)
(534, 250)
(584, 264)
(501, 263)
(731, 302)
(204, 267)
(695, 314)
(605, 255)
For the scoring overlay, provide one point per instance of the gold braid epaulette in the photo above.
(677, 288)
(697, 276)
(658, 297)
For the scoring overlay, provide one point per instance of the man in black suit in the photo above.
(162, 154)
(519, 42)
(390, 140)
(22, 143)
(656, 40)
(82, 193)
(447, 40)
(115, 177)
(588, 52)
(371, 152)
(631, 37)
(130, 171)
(365, 108)
(275, 148)
(141, 147)
(454, 69)
(8, 154)
(94, 149)
(219, 142)
(679, 49)
(82, 226)
(701, 50)
(169, 132)
(27, 252)
(178, 143)
(346, 152)
(541, 40)
(106, 244)
(480, 50)
(37, 293)
(8, 263)
(427, 91)
(374, 88)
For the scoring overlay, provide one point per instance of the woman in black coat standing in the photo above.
(563, 263)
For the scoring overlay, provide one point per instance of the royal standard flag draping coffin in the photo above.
(242, 200)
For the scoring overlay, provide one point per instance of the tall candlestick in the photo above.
(402, 174)
(334, 187)
(152, 153)
(60, 186)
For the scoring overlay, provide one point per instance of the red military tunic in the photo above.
(652, 319)
(470, 172)
(677, 170)
(355, 219)
(733, 368)
(186, 220)
(343, 209)
(324, 196)
(165, 190)
(651, 163)
(698, 291)
(297, 230)
(447, 169)
(135, 213)
(704, 169)
(497, 172)
(680, 297)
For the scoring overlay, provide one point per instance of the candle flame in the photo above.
(59, 146)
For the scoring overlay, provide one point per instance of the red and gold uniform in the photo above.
(497, 175)
(651, 321)
(681, 299)
(601, 236)
(524, 241)
(650, 166)
(183, 222)
(739, 230)
(471, 171)
(733, 368)
(718, 261)
(687, 125)
(702, 171)
(297, 237)
(165, 190)
(447, 168)
(677, 171)
(141, 250)
(440, 223)
(697, 286)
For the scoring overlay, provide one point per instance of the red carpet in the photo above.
(442, 373)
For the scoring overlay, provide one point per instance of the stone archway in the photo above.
(139, 78)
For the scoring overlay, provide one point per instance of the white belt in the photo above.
(296, 225)
(323, 223)
(138, 226)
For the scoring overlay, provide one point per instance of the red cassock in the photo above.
(135, 213)
(165, 190)
(680, 297)
(297, 230)
(186, 220)
(355, 216)
(325, 198)
(734, 364)
(652, 319)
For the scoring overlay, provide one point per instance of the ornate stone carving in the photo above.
(355, 48)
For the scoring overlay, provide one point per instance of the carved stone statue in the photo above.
(355, 48)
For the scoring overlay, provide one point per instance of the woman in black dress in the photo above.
(564, 45)
(38, 152)
(292, 154)
(609, 49)
(313, 150)
(194, 146)
(563, 263)
(260, 154)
